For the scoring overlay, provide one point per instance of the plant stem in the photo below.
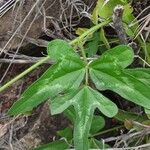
(83, 53)
(77, 40)
(23, 74)
(87, 75)
(91, 30)
(106, 131)
(144, 47)
(86, 62)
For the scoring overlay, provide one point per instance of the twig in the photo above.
(108, 130)
(128, 148)
(129, 136)
(147, 21)
(7, 6)
(23, 61)
(136, 20)
(36, 15)
(140, 124)
(117, 21)
(37, 42)
(146, 63)
(20, 26)
(10, 137)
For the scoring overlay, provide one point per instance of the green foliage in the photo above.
(147, 111)
(125, 115)
(95, 144)
(108, 73)
(59, 49)
(93, 44)
(73, 84)
(104, 39)
(56, 145)
(62, 84)
(55, 80)
(84, 100)
(98, 123)
(142, 74)
(66, 133)
(104, 9)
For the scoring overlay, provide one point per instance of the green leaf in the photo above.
(122, 83)
(142, 74)
(70, 114)
(98, 123)
(66, 133)
(125, 115)
(93, 44)
(95, 13)
(127, 14)
(85, 101)
(147, 45)
(67, 74)
(56, 145)
(129, 31)
(106, 9)
(58, 49)
(94, 143)
(80, 31)
(128, 19)
(114, 58)
(147, 111)
(106, 73)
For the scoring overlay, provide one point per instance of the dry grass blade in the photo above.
(6, 6)
(144, 22)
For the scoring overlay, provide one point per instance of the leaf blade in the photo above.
(85, 101)
(114, 58)
(58, 49)
(66, 74)
(142, 74)
(56, 145)
(122, 83)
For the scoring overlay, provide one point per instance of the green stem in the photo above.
(77, 40)
(95, 144)
(83, 53)
(88, 32)
(23, 74)
(86, 62)
(109, 130)
(143, 45)
(87, 76)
